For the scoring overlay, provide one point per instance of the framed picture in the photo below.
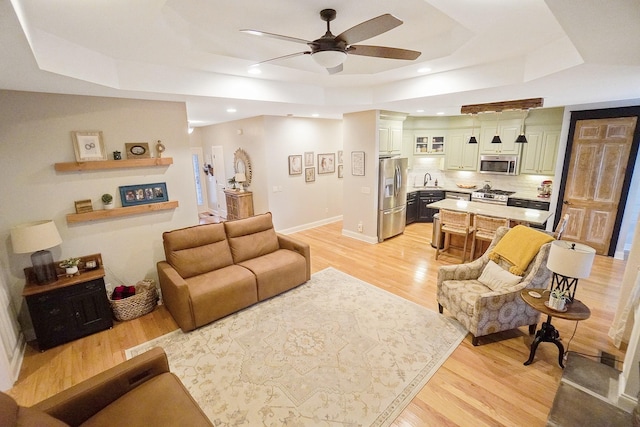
(88, 146)
(327, 163)
(357, 163)
(137, 150)
(308, 158)
(309, 174)
(340, 171)
(339, 157)
(142, 194)
(295, 165)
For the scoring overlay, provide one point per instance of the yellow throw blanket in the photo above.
(518, 247)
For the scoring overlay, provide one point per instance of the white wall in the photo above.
(360, 132)
(35, 133)
(269, 141)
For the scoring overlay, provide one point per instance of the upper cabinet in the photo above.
(540, 152)
(429, 142)
(508, 132)
(390, 133)
(460, 155)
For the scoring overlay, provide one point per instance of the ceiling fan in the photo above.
(331, 51)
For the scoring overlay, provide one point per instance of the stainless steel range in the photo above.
(498, 197)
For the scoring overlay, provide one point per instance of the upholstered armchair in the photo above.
(484, 311)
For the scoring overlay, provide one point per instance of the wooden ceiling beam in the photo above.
(520, 104)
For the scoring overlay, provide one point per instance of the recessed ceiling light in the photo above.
(315, 115)
(424, 70)
(254, 69)
(419, 111)
(440, 113)
(231, 110)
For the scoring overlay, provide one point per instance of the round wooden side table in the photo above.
(575, 310)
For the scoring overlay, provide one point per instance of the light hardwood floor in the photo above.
(486, 385)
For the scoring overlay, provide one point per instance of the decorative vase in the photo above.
(108, 205)
(71, 270)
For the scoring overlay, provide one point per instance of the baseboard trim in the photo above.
(310, 225)
(359, 236)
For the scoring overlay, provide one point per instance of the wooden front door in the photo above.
(596, 178)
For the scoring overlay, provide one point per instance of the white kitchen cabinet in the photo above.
(390, 137)
(508, 131)
(540, 153)
(459, 154)
(430, 142)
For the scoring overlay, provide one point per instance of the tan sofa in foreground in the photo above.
(138, 392)
(213, 270)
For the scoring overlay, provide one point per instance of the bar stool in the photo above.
(458, 223)
(485, 229)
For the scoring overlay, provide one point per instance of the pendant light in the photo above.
(496, 139)
(521, 139)
(473, 139)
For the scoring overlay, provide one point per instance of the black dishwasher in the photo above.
(425, 214)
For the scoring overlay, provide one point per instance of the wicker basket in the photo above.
(143, 302)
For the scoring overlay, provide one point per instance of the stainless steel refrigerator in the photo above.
(392, 197)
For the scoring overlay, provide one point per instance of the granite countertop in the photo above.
(527, 195)
(531, 216)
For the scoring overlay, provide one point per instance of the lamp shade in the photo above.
(570, 259)
(473, 140)
(496, 140)
(240, 177)
(34, 236)
(329, 58)
(521, 139)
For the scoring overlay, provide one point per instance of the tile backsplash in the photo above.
(449, 179)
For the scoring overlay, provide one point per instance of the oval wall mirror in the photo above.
(242, 164)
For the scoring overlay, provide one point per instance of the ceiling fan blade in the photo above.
(383, 52)
(335, 70)
(292, 55)
(275, 36)
(371, 28)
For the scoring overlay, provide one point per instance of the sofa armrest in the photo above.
(469, 271)
(286, 242)
(77, 404)
(175, 295)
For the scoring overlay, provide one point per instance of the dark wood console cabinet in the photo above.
(70, 307)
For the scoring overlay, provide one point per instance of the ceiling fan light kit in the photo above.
(331, 51)
(329, 58)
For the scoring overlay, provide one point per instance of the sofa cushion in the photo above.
(161, 401)
(221, 292)
(277, 272)
(13, 415)
(251, 237)
(196, 250)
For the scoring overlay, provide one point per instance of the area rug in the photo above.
(335, 351)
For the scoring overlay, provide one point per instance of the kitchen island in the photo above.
(520, 215)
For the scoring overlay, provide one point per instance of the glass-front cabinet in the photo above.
(429, 143)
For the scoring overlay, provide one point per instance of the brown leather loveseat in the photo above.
(138, 392)
(213, 270)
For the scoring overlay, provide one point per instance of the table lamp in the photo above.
(240, 178)
(569, 261)
(36, 237)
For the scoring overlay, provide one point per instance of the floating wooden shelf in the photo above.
(118, 212)
(112, 164)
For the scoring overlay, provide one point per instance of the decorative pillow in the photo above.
(494, 277)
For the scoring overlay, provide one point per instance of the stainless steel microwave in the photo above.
(499, 164)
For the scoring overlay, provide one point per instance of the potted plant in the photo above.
(557, 299)
(70, 265)
(107, 201)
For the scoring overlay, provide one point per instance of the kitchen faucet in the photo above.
(426, 181)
